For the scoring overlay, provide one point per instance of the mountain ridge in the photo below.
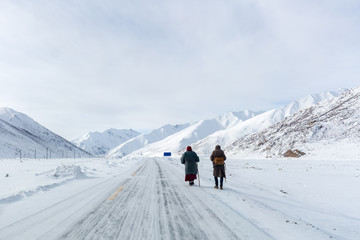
(261, 121)
(100, 143)
(21, 136)
(332, 122)
(142, 140)
(195, 131)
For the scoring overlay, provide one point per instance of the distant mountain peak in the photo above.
(99, 143)
(145, 139)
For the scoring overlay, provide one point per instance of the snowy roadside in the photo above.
(26, 177)
(321, 195)
(29, 186)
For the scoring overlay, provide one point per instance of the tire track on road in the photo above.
(156, 204)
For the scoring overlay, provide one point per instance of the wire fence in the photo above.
(47, 153)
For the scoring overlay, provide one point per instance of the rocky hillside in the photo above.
(328, 129)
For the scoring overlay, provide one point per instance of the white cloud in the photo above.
(142, 64)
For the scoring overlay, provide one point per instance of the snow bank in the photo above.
(67, 172)
(24, 178)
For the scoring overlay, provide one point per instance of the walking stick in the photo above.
(197, 166)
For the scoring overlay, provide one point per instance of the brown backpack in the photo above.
(219, 161)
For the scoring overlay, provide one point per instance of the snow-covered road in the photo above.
(148, 199)
(156, 204)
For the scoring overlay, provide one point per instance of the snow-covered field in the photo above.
(133, 198)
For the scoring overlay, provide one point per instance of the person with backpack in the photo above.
(190, 159)
(218, 159)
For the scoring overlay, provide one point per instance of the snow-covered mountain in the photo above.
(101, 143)
(229, 135)
(194, 132)
(144, 139)
(21, 136)
(330, 129)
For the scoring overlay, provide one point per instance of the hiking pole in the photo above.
(197, 166)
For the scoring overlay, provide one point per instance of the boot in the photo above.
(221, 187)
(216, 187)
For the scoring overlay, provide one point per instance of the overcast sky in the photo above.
(89, 65)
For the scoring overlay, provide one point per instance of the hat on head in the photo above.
(188, 148)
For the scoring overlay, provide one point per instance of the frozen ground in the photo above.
(148, 199)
